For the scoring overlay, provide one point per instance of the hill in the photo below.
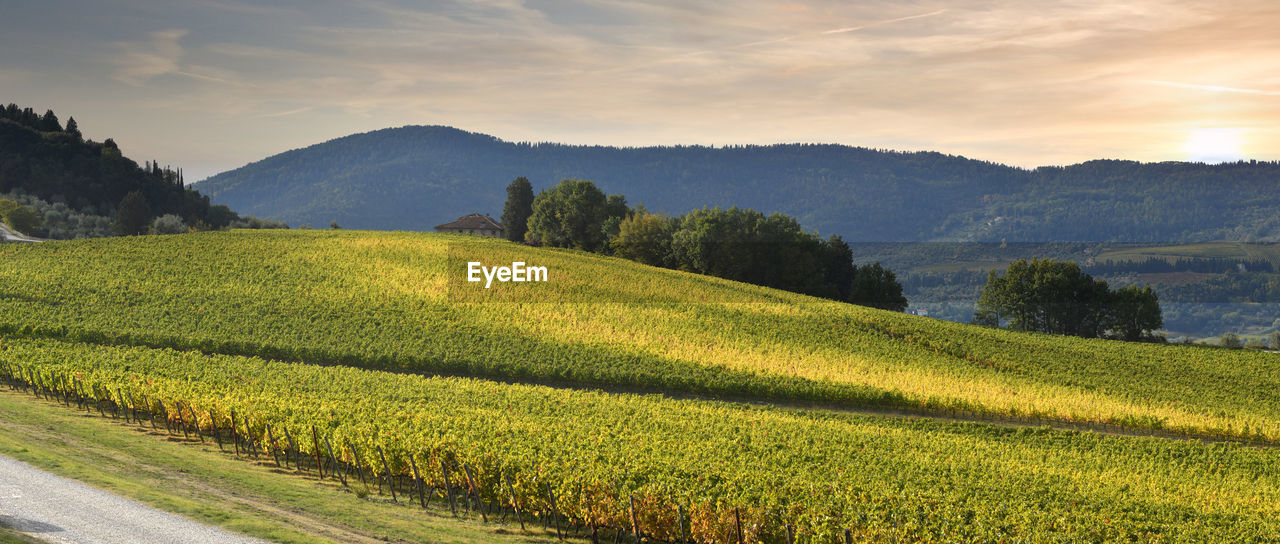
(523, 395)
(415, 177)
(72, 181)
(399, 301)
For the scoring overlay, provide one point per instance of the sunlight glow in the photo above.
(1213, 145)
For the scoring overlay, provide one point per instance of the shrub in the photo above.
(169, 224)
(1230, 340)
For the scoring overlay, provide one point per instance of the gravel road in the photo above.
(11, 236)
(59, 510)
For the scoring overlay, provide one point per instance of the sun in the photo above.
(1211, 145)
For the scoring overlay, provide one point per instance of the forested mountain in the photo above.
(41, 158)
(418, 176)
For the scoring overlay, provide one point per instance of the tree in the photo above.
(334, 225)
(519, 206)
(49, 123)
(646, 238)
(1230, 340)
(839, 267)
(1273, 340)
(878, 287)
(571, 214)
(1135, 312)
(133, 215)
(615, 210)
(1046, 295)
(20, 218)
(746, 245)
(72, 127)
(169, 224)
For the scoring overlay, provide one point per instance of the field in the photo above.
(887, 479)
(397, 301)
(1208, 250)
(378, 340)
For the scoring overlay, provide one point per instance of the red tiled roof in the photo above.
(472, 221)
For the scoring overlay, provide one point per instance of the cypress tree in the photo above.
(519, 206)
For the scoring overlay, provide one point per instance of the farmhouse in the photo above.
(473, 224)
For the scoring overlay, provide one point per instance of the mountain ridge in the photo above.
(417, 176)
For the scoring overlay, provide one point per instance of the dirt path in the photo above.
(60, 510)
(10, 235)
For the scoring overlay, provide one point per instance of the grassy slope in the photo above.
(397, 301)
(891, 479)
(198, 481)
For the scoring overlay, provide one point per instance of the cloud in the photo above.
(1025, 83)
(1214, 88)
(884, 22)
(138, 62)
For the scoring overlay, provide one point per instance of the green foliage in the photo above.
(1052, 296)
(250, 222)
(571, 214)
(615, 210)
(877, 287)
(1230, 340)
(58, 221)
(399, 301)
(748, 246)
(133, 215)
(18, 217)
(49, 123)
(169, 224)
(884, 479)
(1135, 312)
(840, 270)
(41, 159)
(518, 208)
(645, 238)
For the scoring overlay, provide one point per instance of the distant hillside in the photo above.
(418, 176)
(57, 168)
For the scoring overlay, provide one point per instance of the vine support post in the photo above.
(737, 523)
(448, 489)
(635, 525)
(555, 514)
(511, 489)
(684, 537)
(417, 479)
(271, 443)
(386, 472)
(315, 440)
(329, 447)
(234, 438)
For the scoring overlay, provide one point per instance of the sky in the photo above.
(211, 85)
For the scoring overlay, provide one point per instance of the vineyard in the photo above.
(399, 302)
(368, 357)
(613, 465)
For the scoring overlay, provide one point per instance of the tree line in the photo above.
(1160, 265)
(42, 159)
(1052, 296)
(736, 243)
